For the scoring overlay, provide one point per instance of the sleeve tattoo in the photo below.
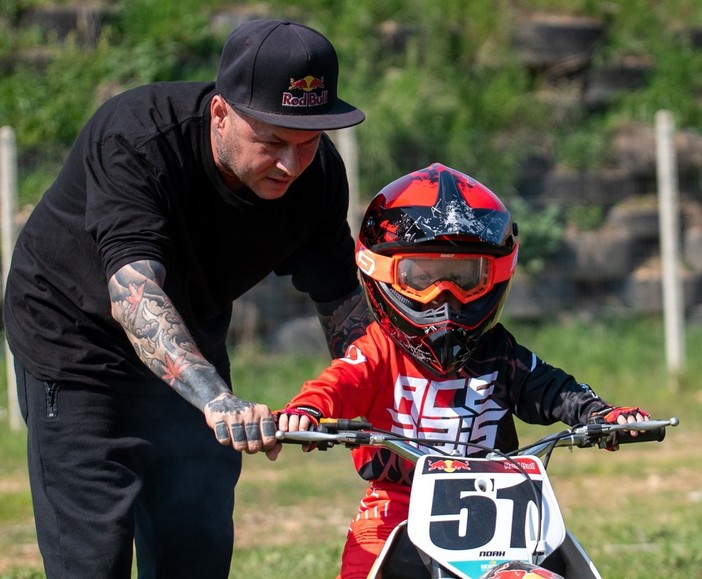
(158, 333)
(344, 321)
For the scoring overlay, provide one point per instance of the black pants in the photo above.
(108, 469)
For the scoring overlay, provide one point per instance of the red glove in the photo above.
(312, 413)
(611, 415)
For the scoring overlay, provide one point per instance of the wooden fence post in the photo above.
(669, 223)
(8, 210)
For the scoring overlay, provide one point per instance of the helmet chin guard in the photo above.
(461, 241)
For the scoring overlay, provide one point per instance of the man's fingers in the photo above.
(221, 432)
(238, 432)
(253, 431)
(250, 437)
(268, 428)
(247, 427)
(272, 453)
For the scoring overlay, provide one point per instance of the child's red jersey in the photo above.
(378, 381)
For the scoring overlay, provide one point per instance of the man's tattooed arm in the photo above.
(158, 333)
(344, 321)
(164, 344)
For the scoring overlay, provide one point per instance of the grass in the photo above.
(638, 512)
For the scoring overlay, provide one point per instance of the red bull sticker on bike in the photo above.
(474, 514)
(447, 465)
(307, 91)
(442, 464)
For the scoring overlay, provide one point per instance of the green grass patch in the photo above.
(15, 504)
(270, 379)
(22, 573)
(655, 534)
(13, 449)
(638, 511)
(320, 559)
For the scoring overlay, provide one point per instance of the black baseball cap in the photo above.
(285, 74)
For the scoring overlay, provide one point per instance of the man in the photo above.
(175, 200)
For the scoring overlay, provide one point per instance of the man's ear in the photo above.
(218, 110)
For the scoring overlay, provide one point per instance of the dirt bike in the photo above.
(480, 518)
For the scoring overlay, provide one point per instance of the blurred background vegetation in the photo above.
(443, 80)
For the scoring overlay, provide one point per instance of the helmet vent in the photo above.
(404, 300)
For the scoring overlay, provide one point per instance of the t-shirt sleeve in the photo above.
(349, 386)
(125, 208)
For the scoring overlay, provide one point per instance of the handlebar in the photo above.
(353, 433)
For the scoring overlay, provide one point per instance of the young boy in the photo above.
(436, 253)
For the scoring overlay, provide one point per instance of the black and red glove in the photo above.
(628, 413)
(312, 414)
(619, 415)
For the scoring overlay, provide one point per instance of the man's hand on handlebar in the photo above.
(246, 426)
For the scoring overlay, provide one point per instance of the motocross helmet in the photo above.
(436, 253)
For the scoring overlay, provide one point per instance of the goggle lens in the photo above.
(420, 273)
(423, 278)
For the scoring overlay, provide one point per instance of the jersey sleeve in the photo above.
(544, 394)
(348, 387)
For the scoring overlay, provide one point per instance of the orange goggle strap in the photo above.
(384, 269)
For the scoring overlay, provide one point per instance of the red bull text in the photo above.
(308, 98)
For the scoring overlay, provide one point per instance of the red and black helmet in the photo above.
(436, 252)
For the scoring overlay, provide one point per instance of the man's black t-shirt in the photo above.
(141, 183)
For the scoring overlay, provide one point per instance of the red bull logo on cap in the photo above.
(306, 84)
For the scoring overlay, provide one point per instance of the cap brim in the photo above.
(341, 116)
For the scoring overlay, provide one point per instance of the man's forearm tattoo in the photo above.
(157, 331)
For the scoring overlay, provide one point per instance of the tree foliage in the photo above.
(439, 81)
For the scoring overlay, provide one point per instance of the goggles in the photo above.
(424, 276)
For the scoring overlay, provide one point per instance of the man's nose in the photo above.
(289, 160)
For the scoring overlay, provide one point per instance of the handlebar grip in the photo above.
(655, 435)
(345, 424)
